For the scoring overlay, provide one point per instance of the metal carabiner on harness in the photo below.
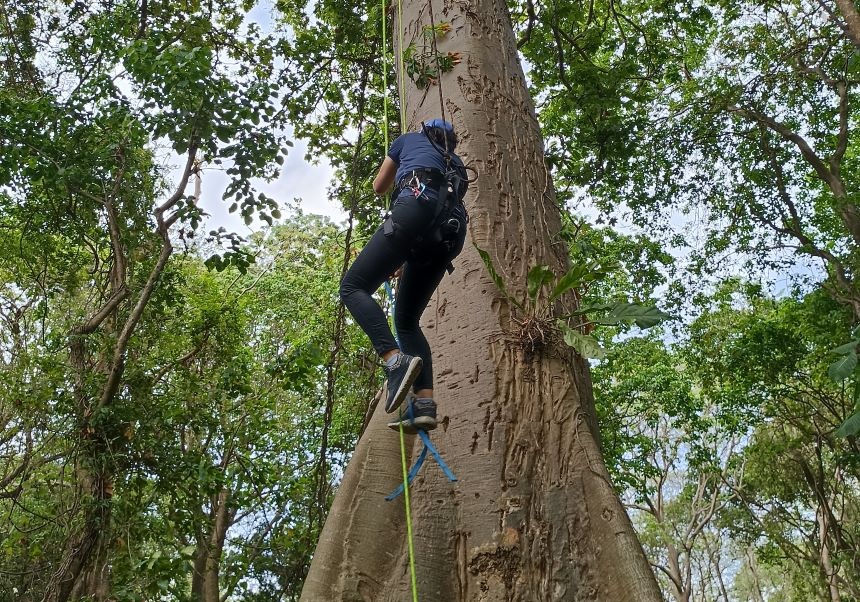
(416, 185)
(451, 226)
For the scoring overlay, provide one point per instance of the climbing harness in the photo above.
(440, 233)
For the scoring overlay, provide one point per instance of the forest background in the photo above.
(178, 403)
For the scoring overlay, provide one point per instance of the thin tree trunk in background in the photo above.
(205, 586)
(680, 586)
(534, 515)
(827, 569)
(752, 563)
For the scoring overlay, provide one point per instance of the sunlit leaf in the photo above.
(843, 367)
(584, 344)
(850, 427)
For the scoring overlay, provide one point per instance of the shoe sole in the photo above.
(411, 427)
(412, 371)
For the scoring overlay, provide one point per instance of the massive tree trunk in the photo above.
(534, 515)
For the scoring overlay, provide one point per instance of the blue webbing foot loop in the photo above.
(436, 456)
(420, 462)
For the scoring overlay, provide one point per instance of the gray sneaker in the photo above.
(420, 414)
(400, 378)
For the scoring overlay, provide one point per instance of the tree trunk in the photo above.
(752, 564)
(77, 575)
(205, 579)
(852, 20)
(828, 572)
(680, 583)
(534, 515)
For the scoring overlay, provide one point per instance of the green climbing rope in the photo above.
(384, 78)
(409, 539)
(408, 515)
(401, 83)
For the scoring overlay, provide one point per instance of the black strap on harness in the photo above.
(444, 227)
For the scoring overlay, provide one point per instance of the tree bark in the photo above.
(205, 585)
(534, 515)
(681, 586)
(752, 564)
(828, 571)
(852, 20)
(77, 572)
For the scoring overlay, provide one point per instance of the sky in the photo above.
(299, 179)
(300, 182)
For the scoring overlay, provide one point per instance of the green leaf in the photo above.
(846, 348)
(485, 257)
(537, 277)
(188, 550)
(584, 344)
(644, 316)
(850, 427)
(843, 367)
(650, 316)
(574, 277)
(153, 559)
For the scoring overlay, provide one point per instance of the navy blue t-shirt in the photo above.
(415, 151)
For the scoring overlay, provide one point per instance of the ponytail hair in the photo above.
(441, 133)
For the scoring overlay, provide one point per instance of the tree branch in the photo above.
(530, 11)
(842, 138)
(183, 183)
(846, 210)
(118, 360)
(119, 262)
(96, 319)
(805, 149)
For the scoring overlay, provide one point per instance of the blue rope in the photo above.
(428, 446)
(390, 292)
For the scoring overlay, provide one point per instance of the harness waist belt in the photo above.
(432, 177)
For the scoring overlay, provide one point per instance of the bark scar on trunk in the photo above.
(502, 562)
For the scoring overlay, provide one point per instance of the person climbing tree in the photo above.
(424, 231)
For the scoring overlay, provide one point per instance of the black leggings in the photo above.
(424, 265)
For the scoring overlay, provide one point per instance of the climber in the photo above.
(424, 231)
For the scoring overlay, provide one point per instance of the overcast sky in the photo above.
(298, 180)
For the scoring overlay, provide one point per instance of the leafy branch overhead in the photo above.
(540, 322)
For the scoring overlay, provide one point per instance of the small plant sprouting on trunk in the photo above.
(425, 66)
(540, 323)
